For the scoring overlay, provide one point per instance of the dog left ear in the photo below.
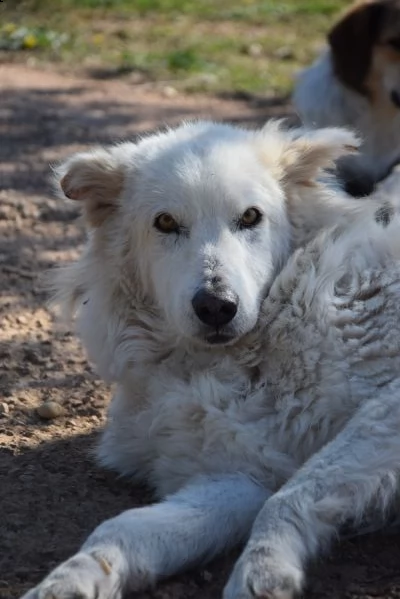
(94, 178)
(310, 152)
(351, 41)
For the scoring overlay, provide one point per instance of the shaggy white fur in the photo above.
(264, 409)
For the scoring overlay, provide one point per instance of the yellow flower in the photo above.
(98, 39)
(30, 41)
(9, 28)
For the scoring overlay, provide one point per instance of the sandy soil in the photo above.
(51, 492)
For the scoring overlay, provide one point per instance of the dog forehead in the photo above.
(205, 169)
(200, 172)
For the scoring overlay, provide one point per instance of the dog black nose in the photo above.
(215, 309)
(395, 97)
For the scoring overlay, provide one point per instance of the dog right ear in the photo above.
(308, 153)
(351, 42)
(94, 178)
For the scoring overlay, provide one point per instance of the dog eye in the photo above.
(250, 218)
(166, 223)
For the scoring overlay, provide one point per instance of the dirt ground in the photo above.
(52, 494)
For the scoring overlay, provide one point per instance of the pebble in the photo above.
(169, 91)
(4, 409)
(49, 410)
(284, 53)
(255, 50)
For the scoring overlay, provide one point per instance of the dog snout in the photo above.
(215, 309)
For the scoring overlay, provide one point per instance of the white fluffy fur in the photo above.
(283, 433)
(321, 100)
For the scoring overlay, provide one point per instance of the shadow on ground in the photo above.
(56, 496)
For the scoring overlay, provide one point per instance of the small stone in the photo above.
(4, 409)
(284, 53)
(49, 410)
(169, 91)
(255, 50)
(32, 356)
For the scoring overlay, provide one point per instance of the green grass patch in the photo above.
(207, 45)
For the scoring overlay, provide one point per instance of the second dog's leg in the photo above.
(357, 471)
(139, 546)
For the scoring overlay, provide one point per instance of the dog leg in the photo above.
(139, 546)
(355, 473)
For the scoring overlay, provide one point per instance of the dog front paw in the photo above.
(263, 573)
(84, 576)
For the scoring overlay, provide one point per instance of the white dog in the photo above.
(356, 83)
(249, 314)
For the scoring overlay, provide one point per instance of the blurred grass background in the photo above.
(231, 46)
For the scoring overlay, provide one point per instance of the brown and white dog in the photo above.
(356, 83)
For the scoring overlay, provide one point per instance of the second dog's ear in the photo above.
(94, 178)
(309, 152)
(351, 42)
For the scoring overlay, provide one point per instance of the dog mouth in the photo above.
(219, 338)
(395, 98)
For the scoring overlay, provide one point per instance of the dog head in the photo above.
(365, 48)
(194, 223)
